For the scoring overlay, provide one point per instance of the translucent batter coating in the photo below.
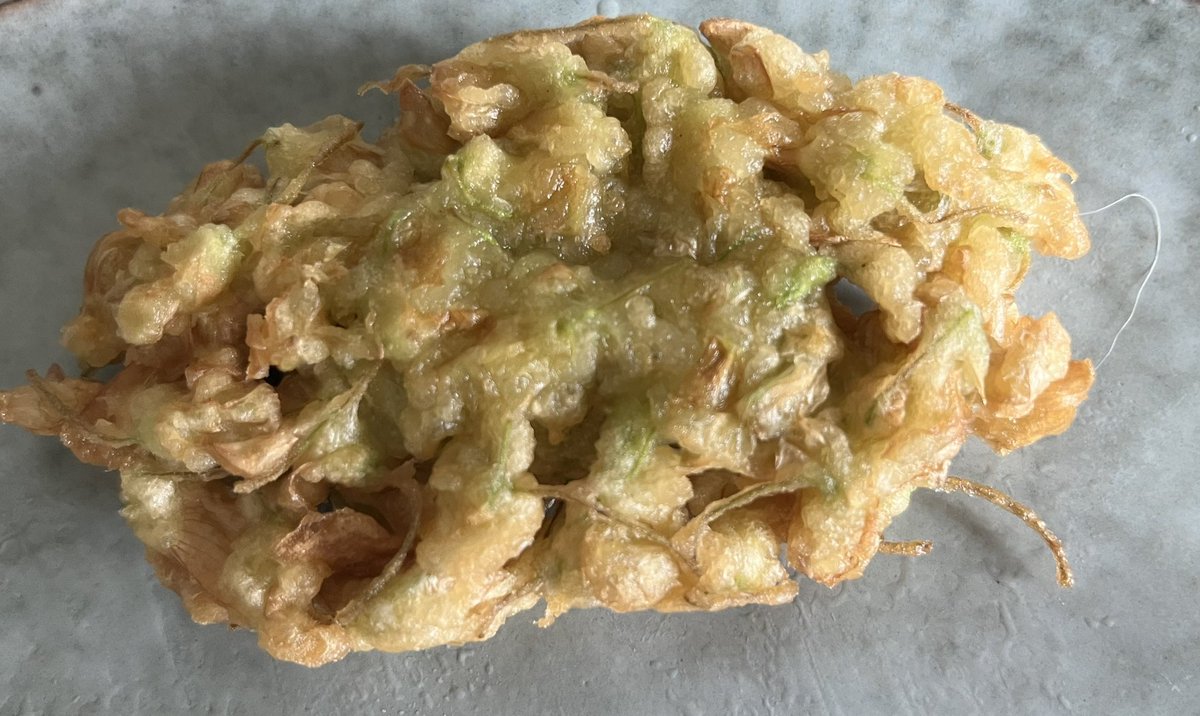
(569, 331)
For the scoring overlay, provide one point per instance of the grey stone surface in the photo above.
(104, 105)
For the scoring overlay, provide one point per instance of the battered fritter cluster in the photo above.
(569, 331)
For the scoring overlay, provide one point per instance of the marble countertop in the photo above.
(101, 109)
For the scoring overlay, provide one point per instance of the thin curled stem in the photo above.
(599, 510)
(911, 548)
(1028, 516)
(351, 610)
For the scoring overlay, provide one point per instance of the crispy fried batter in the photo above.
(567, 332)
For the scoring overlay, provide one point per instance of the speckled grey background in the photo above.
(104, 105)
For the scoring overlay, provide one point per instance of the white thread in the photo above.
(1137, 298)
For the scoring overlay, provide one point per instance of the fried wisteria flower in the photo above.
(568, 332)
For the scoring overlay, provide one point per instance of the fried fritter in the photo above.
(570, 330)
